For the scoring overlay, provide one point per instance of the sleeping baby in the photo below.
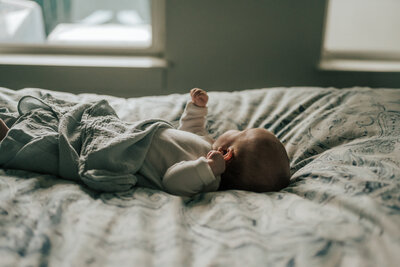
(89, 143)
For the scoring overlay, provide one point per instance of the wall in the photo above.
(217, 45)
(228, 45)
(243, 44)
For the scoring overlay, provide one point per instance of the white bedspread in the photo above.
(342, 207)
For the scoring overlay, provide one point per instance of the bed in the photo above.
(342, 207)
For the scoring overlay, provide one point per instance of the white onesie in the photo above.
(176, 160)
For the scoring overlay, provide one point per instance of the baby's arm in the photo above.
(188, 178)
(194, 116)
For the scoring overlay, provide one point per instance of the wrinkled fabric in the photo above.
(82, 142)
(342, 207)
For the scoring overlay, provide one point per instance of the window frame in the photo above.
(156, 49)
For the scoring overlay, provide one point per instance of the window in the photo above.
(362, 35)
(82, 26)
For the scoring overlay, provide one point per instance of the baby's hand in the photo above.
(216, 162)
(199, 97)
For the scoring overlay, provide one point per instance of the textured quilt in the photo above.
(342, 207)
(81, 142)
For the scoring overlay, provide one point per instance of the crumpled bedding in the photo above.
(81, 142)
(342, 207)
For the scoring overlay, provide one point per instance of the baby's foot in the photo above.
(199, 97)
(3, 130)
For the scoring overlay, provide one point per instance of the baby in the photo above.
(185, 161)
(253, 159)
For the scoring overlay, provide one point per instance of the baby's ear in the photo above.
(228, 155)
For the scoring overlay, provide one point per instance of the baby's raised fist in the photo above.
(199, 97)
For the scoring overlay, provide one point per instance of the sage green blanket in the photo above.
(83, 142)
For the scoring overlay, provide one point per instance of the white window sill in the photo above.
(141, 62)
(359, 65)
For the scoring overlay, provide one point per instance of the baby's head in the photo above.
(255, 161)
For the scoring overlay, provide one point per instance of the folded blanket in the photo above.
(86, 142)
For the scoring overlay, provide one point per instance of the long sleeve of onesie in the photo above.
(193, 119)
(187, 178)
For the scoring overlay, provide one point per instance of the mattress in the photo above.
(342, 207)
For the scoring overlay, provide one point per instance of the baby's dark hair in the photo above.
(262, 166)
